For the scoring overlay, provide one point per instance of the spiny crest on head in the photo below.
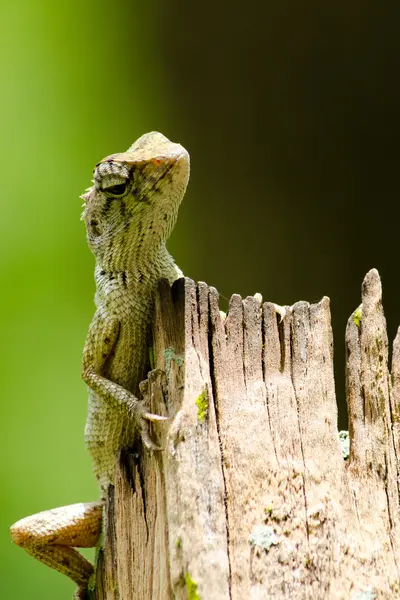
(84, 197)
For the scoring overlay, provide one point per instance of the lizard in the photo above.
(129, 213)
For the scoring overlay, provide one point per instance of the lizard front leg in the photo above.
(99, 348)
(52, 535)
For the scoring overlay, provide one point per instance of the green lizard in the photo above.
(129, 213)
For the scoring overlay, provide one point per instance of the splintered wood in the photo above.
(250, 497)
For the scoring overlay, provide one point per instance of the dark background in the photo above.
(290, 112)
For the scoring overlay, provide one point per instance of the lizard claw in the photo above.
(147, 441)
(146, 387)
(143, 418)
(153, 417)
(146, 437)
(146, 417)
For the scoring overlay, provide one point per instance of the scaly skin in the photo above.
(129, 213)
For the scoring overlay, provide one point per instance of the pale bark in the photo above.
(250, 497)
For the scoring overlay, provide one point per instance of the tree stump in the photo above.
(251, 497)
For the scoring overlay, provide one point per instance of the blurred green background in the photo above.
(291, 114)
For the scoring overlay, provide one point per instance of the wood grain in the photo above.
(250, 497)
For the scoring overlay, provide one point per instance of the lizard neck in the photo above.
(138, 258)
(134, 274)
(132, 240)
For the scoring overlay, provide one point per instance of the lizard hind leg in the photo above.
(52, 535)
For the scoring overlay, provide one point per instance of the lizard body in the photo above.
(129, 213)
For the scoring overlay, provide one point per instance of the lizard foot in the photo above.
(144, 417)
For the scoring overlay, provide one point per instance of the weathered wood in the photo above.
(250, 497)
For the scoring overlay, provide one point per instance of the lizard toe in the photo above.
(152, 417)
(146, 437)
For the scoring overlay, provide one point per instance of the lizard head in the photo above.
(133, 205)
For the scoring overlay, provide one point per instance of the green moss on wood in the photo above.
(268, 510)
(357, 316)
(191, 588)
(202, 406)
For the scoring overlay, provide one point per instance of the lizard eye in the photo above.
(117, 190)
(113, 178)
